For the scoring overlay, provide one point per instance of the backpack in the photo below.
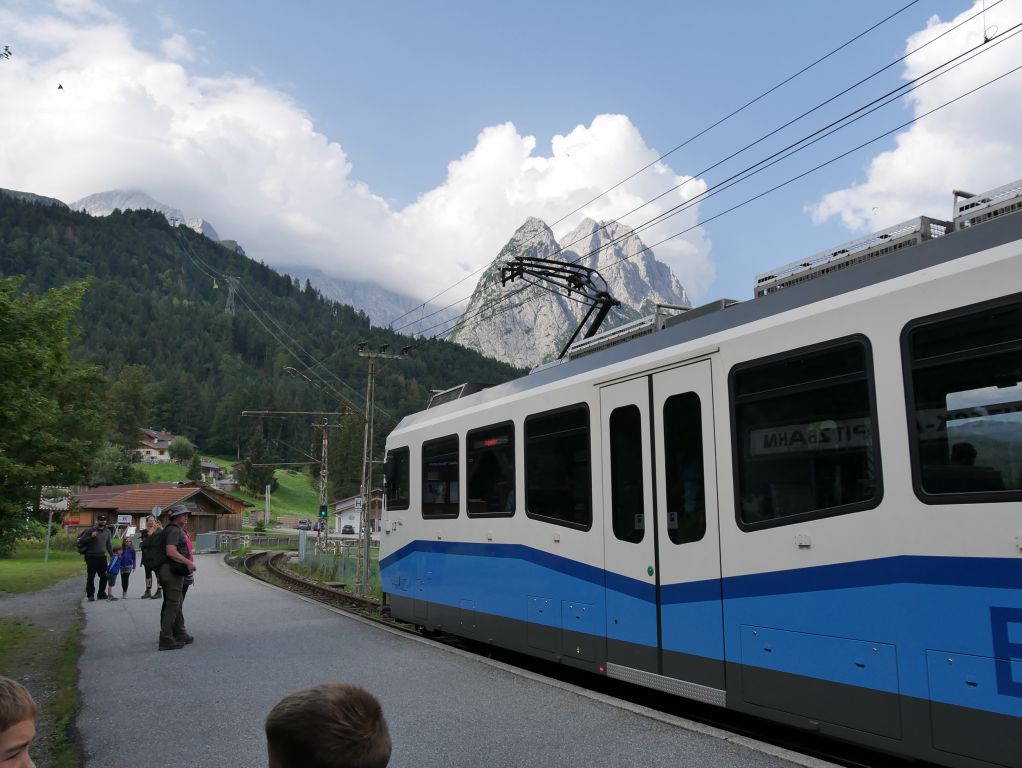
(155, 550)
(82, 545)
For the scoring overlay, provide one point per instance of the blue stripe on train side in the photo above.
(905, 601)
(905, 569)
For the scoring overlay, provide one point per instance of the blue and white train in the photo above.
(806, 506)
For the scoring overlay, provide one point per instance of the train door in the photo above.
(633, 622)
(664, 619)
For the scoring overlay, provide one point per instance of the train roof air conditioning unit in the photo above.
(633, 330)
(441, 396)
(971, 210)
(854, 252)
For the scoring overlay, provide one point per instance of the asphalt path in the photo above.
(204, 705)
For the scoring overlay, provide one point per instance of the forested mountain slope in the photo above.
(152, 302)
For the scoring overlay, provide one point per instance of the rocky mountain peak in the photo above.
(105, 203)
(526, 325)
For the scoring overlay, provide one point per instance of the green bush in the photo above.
(65, 542)
(260, 526)
(34, 535)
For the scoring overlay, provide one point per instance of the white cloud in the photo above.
(249, 160)
(178, 48)
(491, 190)
(80, 9)
(971, 145)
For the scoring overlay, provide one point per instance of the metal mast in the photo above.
(362, 586)
(323, 483)
(232, 291)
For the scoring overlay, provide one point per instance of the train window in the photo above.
(626, 496)
(805, 437)
(964, 388)
(440, 477)
(396, 478)
(683, 460)
(558, 484)
(490, 466)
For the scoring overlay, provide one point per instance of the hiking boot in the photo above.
(92, 599)
(159, 594)
(185, 638)
(171, 646)
(110, 597)
(147, 595)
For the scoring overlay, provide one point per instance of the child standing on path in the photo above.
(127, 564)
(111, 573)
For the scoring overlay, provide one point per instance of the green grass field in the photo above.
(296, 493)
(28, 572)
(164, 473)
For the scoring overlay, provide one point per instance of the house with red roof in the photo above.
(211, 508)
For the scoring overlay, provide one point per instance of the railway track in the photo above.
(262, 565)
(270, 567)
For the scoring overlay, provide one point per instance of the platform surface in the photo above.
(204, 705)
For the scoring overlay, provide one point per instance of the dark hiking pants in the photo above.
(172, 620)
(96, 564)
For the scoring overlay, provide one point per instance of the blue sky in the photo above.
(318, 134)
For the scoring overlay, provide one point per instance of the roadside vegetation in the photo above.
(24, 645)
(64, 708)
(340, 568)
(42, 649)
(15, 634)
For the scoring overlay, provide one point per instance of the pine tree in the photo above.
(194, 468)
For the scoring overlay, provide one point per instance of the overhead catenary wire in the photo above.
(212, 272)
(315, 362)
(903, 87)
(684, 143)
(492, 305)
(828, 130)
(692, 177)
(289, 344)
(752, 170)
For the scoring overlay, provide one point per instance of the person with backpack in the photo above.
(149, 557)
(174, 565)
(95, 543)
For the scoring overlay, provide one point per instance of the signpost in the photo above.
(52, 498)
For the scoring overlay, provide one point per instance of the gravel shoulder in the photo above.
(56, 614)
